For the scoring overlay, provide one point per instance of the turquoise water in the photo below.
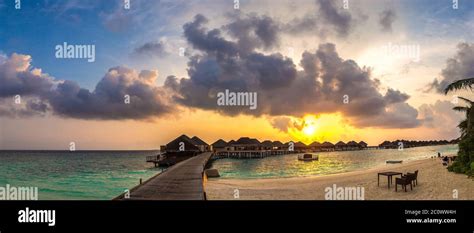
(105, 175)
(329, 162)
(75, 175)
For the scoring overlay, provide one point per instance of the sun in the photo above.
(309, 129)
(323, 127)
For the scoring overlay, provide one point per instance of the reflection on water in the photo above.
(329, 162)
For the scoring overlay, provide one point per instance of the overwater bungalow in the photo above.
(277, 145)
(266, 145)
(230, 145)
(387, 145)
(352, 145)
(315, 146)
(362, 145)
(246, 143)
(179, 149)
(340, 145)
(219, 145)
(327, 146)
(202, 145)
(299, 146)
(182, 143)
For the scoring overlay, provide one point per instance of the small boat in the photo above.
(394, 161)
(308, 157)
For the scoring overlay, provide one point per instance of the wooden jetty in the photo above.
(183, 181)
(155, 159)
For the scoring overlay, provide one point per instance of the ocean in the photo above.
(103, 175)
(329, 162)
(78, 175)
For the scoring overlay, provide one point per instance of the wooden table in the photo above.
(389, 177)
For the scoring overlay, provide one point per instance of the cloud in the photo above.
(17, 77)
(151, 49)
(117, 21)
(386, 19)
(326, 19)
(68, 99)
(441, 113)
(340, 20)
(107, 101)
(461, 66)
(320, 87)
(281, 123)
(26, 107)
(253, 31)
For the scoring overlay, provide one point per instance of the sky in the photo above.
(321, 70)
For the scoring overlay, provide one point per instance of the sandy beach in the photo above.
(434, 183)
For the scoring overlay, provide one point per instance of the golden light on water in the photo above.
(324, 127)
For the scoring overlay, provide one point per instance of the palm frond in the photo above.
(461, 109)
(463, 125)
(460, 84)
(467, 100)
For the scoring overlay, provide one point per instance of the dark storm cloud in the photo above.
(68, 99)
(320, 87)
(386, 19)
(151, 49)
(461, 66)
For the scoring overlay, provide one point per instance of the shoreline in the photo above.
(435, 183)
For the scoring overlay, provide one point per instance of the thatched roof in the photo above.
(327, 144)
(386, 143)
(300, 144)
(352, 143)
(188, 144)
(255, 141)
(247, 141)
(219, 143)
(267, 143)
(277, 143)
(288, 143)
(315, 144)
(231, 142)
(340, 143)
(363, 144)
(198, 141)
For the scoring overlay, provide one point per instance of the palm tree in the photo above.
(464, 84)
(464, 163)
(463, 125)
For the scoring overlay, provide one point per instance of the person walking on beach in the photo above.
(439, 155)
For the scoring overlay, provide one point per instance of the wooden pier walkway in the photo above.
(183, 181)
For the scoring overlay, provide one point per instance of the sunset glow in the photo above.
(324, 127)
